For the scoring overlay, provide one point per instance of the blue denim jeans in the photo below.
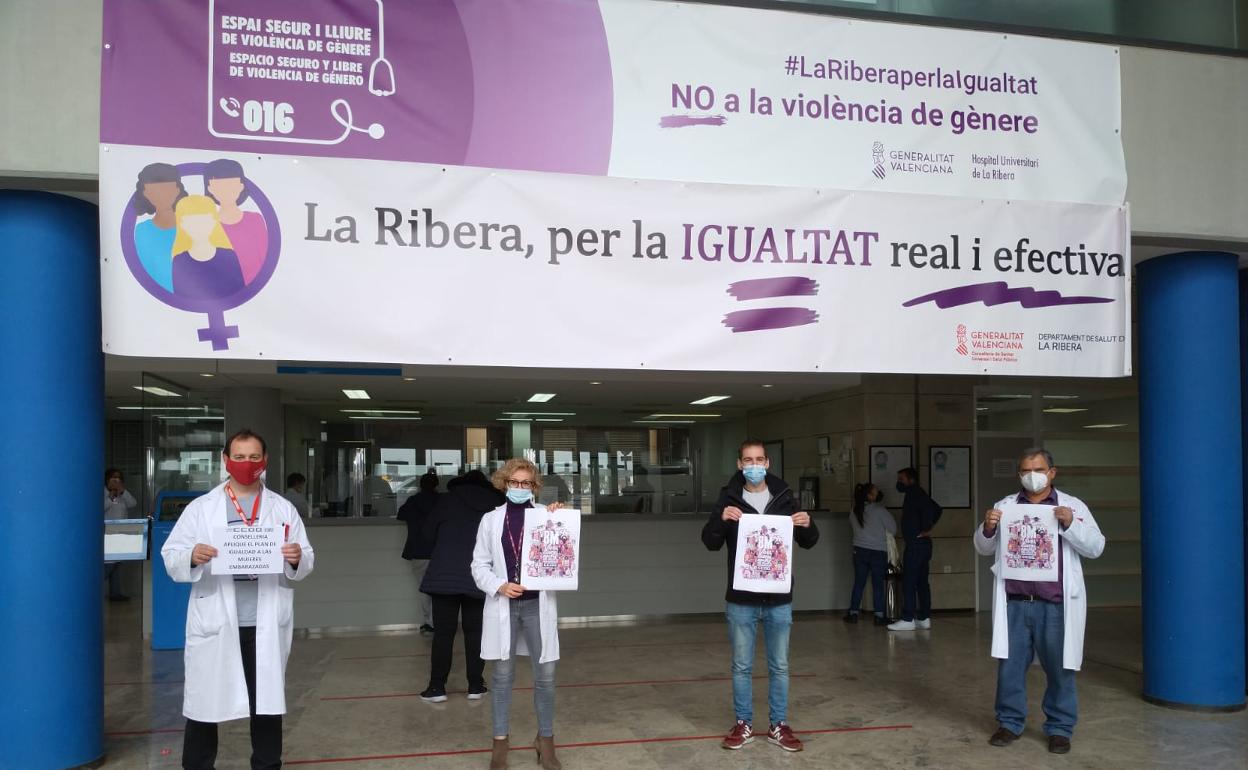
(525, 620)
(743, 620)
(868, 560)
(1037, 627)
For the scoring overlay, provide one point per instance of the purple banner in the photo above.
(469, 82)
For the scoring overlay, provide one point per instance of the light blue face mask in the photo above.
(754, 473)
(519, 496)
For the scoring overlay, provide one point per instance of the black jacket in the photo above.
(717, 533)
(452, 528)
(919, 513)
(415, 511)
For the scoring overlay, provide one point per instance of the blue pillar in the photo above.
(1243, 396)
(1191, 481)
(51, 450)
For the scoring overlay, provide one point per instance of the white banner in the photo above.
(453, 265)
(748, 96)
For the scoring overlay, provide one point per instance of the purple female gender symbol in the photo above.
(216, 332)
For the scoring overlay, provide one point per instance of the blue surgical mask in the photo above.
(519, 496)
(754, 473)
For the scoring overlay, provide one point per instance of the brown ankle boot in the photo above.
(498, 758)
(546, 753)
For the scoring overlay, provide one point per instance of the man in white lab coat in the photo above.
(238, 627)
(1041, 619)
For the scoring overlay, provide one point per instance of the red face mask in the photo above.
(245, 472)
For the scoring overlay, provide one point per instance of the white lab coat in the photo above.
(489, 572)
(1082, 539)
(215, 689)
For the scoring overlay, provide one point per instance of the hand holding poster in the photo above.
(1029, 537)
(764, 560)
(551, 549)
(246, 551)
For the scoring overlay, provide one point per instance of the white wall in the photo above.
(1184, 119)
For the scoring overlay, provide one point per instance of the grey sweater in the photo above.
(878, 525)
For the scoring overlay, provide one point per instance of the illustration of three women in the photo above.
(198, 246)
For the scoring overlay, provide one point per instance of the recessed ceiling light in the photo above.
(515, 419)
(708, 400)
(549, 419)
(207, 374)
(768, 386)
(665, 422)
(379, 411)
(595, 383)
(541, 398)
(1108, 425)
(660, 416)
(166, 408)
(381, 417)
(1060, 398)
(1062, 410)
(358, 394)
(540, 414)
(409, 379)
(981, 408)
(156, 391)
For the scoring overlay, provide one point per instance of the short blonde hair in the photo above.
(511, 466)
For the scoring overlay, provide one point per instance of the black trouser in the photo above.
(915, 586)
(447, 610)
(199, 744)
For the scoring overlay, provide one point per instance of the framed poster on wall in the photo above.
(951, 475)
(885, 461)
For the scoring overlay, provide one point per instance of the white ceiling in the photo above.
(457, 393)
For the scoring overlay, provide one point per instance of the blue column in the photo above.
(1243, 396)
(1191, 481)
(51, 450)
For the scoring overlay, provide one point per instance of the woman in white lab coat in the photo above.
(516, 621)
(222, 659)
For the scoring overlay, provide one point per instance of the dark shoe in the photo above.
(782, 735)
(434, 695)
(498, 755)
(477, 691)
(1002, 737)
(426, 629)
(545, 748)
(850, 617)
(741, 734)
(1059, 744)
(880, 620)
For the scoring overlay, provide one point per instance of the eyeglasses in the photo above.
(519, 484)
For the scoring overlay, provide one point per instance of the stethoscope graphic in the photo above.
(380, 83)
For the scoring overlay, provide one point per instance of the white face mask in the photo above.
(1035, 482)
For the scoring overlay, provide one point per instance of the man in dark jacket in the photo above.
(415, 511)
(919, 514)
(753, 490)
(452, 532)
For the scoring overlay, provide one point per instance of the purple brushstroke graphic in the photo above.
(769, 318)
(681, 121)
(998, 293)
(762, 288)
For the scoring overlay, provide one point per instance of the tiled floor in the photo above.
(658, 696)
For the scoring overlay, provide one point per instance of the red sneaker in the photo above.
(782, 735)
(741, 734)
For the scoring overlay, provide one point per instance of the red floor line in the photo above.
(565, 686)
(585, 745)
(125, 733)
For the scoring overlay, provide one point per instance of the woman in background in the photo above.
(872, 525)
